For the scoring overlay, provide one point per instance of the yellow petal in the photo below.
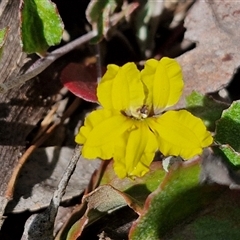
(119, 163)
(100, 132)
(180, 134)
(121, 88)
(137, 153)
(164, 83)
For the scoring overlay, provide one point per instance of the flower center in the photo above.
(139, 113)
(143, 111)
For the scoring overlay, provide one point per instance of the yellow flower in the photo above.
(132, 125)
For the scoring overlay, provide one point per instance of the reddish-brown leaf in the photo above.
(81, 80)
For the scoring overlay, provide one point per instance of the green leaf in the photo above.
(206, 108)
(219, 220)
(228, 127)
(179, 196)
(3, 36)
(228, 133)
(141, 187)
(42, 26)
(230, 154)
